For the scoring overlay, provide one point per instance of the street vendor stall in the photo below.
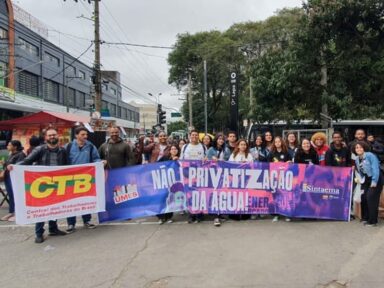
(25, 127)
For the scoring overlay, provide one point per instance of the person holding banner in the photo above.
(306, 154)
(81, 151)
(241, 153)
(16, 154)
(159, 152)
(279, 153)
(218, 150)
(367, 165)
(193, 150)
(319, 140)
(49, 154)
(259, 152)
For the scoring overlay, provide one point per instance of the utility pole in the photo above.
(205, 98)
(190, 100)
(97, 65)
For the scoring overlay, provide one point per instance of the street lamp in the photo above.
(157, 97)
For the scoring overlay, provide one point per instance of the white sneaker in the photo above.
(253, 217)
(216, 222)
(170, 221)
(288, 219)
(275, 219)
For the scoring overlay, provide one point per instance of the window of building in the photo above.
(113, 91)
(51, 90)
(27, 83)
(129, 115)
(123, 113)
(104, 105)
(29, 47)
(53, 59)
(70, 97)
(70, 70)
(80, 100)
(3, 33)
(112, 110)
(82, 75)
(104, 87)
(3, 72)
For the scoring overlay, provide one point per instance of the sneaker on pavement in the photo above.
(57, 232)
(89, 225)
(216, 222)
(370, 225)
(254, 217)
(170, 221)
(39, 239)
(6, 217)
(288, 219)
(275, 219)
(71, 229)
(161, 221)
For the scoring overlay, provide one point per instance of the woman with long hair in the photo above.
(218, 150)
(241, 152)
(279, 151)
(16, 155)
(292, 144)
(306, 154)
(207, 141)
(268, 140)
(259, 152)
(368, 167)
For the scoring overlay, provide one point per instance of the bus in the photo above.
(305, 128)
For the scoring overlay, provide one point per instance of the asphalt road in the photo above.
(141, 253)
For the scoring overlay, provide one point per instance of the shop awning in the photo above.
(44, 118)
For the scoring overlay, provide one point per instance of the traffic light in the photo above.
(162, 117)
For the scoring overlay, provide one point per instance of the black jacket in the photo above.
(279, 157)
(306, 158)
(40, 156)
(13, 159)
(338, 157)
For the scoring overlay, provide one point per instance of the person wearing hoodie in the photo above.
(338, 154)
(116, 151)
(319, 142)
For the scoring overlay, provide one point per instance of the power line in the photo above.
(137, 45)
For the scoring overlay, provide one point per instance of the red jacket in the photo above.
(321, 153)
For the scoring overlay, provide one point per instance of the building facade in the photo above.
(37, 75)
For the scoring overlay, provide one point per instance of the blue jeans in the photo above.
(72, 220)
(39, 227)
(8, 187)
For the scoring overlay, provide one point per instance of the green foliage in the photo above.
(285, 55)
(175, 126)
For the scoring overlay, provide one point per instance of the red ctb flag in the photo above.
(47, 188)
(48, 193)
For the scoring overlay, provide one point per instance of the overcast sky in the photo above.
(149, 22)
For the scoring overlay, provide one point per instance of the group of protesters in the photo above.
(363, 153)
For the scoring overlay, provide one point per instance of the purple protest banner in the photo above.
(292, 190)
